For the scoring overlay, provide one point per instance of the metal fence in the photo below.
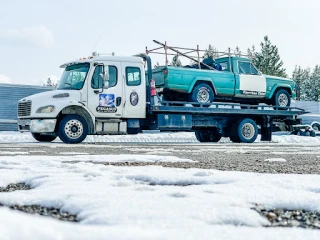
(10, 94)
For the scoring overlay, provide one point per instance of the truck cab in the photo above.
(98, 95)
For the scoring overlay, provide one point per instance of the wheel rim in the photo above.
(203, 95)
(248, 131)
(73, 129)
(283, 100)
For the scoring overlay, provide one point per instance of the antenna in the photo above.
(96, 43)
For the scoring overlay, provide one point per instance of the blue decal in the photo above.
(106, 100)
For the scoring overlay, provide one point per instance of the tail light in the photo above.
(153, 88)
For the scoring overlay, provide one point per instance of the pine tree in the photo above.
(268, 60)
(157, 65)
(176, 61)
(314, 92)
(237, 52)
(211, 52)
(305, 85)
(298, 77)
(251, 52)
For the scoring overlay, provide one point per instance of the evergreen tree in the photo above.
(211, 52)
(176, 61)
(314, 84)
(268, 60)
(157, 65)
(251, 52)
(237, 52)
(300, 77)
(305, 85)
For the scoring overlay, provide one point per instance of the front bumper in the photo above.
(37, 125)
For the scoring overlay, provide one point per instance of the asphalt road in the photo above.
(226, 156)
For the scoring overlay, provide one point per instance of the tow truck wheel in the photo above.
(202, 93)
(207, 136)
(43, 138)
(245, 131)
(73, 129)
(281, 99)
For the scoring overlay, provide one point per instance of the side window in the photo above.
(133, 76)
(247, 68)
(96, 76)
(113, 76)
(223, 66)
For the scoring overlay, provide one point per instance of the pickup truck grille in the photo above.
(24, 109)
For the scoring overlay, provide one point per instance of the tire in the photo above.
(207, 136)
(133, 131)
(73, 129)
(201, 93)
(316, 126)
(281, 99)
(312, 133)
(43, 138)
(245, 131)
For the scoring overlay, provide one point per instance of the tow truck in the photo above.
(105, 95)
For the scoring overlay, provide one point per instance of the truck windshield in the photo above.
(74, 76)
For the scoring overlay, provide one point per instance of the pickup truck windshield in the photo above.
(74, 76)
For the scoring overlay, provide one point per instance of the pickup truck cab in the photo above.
(230, 79)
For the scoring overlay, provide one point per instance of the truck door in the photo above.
(106, 102)
(249, 82)
(134, 80)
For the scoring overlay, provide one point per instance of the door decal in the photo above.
(106, 103)
(134, 98)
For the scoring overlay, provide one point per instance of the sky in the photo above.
(36, 36)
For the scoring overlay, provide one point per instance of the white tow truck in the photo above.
(117, 95)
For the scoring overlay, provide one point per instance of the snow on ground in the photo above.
(149, 202)
(157, 137)
(275, 160)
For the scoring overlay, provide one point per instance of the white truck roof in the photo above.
(104, 58)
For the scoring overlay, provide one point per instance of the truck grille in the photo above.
(24, 109)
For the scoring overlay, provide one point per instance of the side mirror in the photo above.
(106, 77)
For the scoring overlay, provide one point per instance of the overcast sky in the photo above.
(37, 36)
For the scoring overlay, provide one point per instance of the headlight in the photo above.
(45, 109)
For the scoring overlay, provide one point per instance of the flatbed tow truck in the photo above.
(109, 95)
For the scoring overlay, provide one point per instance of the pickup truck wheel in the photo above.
(43, 138)
(73, 129)
(202, 93)
(281, 99)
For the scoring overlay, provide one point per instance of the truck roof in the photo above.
(104, 58)
(235, 58)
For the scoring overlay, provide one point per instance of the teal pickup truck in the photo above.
(230, 79)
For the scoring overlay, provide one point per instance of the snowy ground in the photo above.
(149, 202)
(155, 137)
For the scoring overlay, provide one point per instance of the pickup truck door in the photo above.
(106, 102)
(249, 82)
